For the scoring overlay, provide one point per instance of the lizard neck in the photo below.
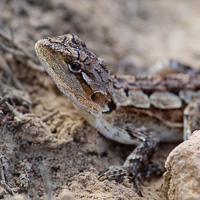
(107, 129)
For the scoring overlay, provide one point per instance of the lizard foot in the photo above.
(119, 173)
(116, 173)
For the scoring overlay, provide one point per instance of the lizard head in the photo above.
(77, 72)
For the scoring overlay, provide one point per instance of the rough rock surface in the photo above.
(182, 179)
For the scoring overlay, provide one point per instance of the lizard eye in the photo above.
(75, 67)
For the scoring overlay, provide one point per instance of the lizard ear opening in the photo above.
(100, 99)
(96, 96)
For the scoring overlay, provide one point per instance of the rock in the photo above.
(182, 178)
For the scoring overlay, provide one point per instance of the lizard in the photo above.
(132, 110)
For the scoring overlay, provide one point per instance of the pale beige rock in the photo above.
(182, 179)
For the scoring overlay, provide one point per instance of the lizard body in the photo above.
(121, 107)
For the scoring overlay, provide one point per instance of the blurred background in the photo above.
(123, 33)
(130, 35)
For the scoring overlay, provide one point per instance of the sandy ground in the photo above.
(44, 157)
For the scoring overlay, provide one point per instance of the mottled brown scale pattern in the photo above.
(149, 84)
(70, 48)
(173, 115)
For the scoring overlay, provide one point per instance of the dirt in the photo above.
(44, 157)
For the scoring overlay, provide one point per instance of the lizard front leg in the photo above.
(137, 161)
